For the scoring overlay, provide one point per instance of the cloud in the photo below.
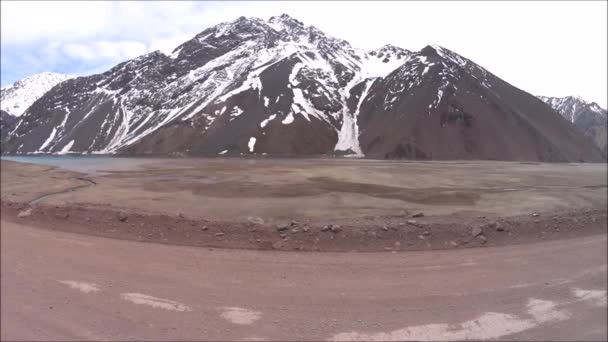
(102, 50)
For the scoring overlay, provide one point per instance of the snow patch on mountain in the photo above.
(15, 99)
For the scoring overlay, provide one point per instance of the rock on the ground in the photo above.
(325, 228)
(277, 245)
(336, 228)
(475, 231)
(419, 214)
(255, 220)
(25, 213)
(281, 227)
(122, 217)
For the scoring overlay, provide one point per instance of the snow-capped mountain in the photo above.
(280, 87)
(588, 117)
(16, 98)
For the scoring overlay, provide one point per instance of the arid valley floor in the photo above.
(324, 249)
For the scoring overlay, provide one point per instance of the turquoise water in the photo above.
(87, 164)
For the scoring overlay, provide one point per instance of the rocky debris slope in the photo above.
(439, 105)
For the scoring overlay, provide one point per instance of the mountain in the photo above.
(280, 87)
(588, 117)
(16, 98)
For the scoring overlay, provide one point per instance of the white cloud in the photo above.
(25, 22)
(549, 48)
(100, 50)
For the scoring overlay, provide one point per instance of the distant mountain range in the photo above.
(588, 117)
(279, 87)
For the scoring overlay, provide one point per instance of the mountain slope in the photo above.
(439, 105)
(7, 124)
(280, 87)
(16, 98)
(588, 117)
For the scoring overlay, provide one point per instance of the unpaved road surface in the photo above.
(63, 286)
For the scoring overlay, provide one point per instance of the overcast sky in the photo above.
(545, 48)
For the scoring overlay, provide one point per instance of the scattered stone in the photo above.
(219, 234)
(181, 215)
(281, 227)
(426, 233)
(454, 243)
(295, 230)
(397, 244)
(325, 228)
(122, 217)
(411, 222)
(535, 214)
(294, 223)
(277, 245)
(252, 229)
(66, 215)
(482, 239)
(419, 214)
(305, 229)
(385, 228)
(25, 213)
(476, 231)
(255, 220)
(283, 235)
(336, 228)
(203, 228)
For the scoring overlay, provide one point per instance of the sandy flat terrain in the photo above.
(295, 204)
(298, 189)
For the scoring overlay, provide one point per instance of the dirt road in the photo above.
(64, 286)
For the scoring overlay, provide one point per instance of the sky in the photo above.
(545, 48)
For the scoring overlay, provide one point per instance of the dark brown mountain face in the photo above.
(588, 117)
(7, 124)
(278, 87)
(439, 105)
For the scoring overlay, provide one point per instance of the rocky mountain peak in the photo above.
(16, 98)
